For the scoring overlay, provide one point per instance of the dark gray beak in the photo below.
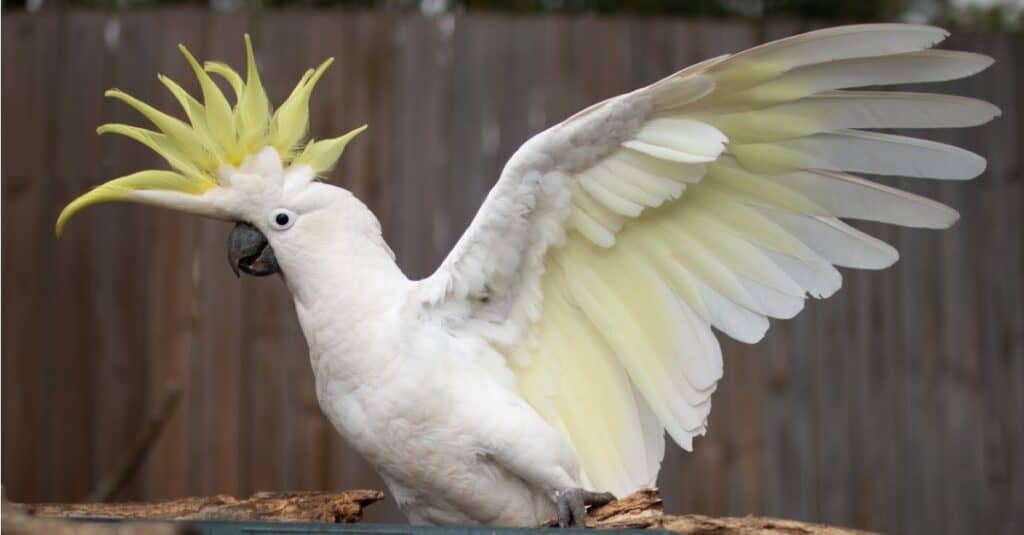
(249, 251)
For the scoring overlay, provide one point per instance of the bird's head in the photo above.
(245, 163)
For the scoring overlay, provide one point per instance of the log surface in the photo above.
(643, 510)
(18, 521)
(332, 507)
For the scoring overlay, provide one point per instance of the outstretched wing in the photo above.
(614, 241)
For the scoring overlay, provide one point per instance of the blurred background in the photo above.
(897, 405)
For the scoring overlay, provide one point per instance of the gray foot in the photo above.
(572, 506)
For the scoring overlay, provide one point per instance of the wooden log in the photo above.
(17, 521)
(640, 510)
(332, 507)
(749, 525)
(23, 524)
(643, 510)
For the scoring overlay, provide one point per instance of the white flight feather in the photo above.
(848, 196)
(844, 42)
(912, 67)
(838, 110)
(862, 152)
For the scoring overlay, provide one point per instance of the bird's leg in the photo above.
(572, 506)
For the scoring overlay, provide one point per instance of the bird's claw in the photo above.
(572, 506)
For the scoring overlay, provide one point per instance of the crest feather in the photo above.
(218, 111)
(290, 123)
(194, 111)
(216, 133)
(322, 155)
(158, 143)
(181, 134)
(253, 112)
(228, 74)
(119, 189)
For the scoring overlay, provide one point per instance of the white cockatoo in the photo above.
(538, 369)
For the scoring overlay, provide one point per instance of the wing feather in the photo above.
(839, 110)
(617, 240)
(863, 152)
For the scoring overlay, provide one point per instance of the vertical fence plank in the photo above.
(122, 257)
(1007, 464)
(421, 164)
(29, 59)
(75, 145)
(475, 130)
(985, 431)
(956, 399)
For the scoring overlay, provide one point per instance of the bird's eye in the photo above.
(282, 219)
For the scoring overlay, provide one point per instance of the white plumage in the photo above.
(572, 325)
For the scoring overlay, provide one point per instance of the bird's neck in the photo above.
(347, 290)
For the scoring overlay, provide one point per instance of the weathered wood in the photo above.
(75, 147)
(749, 525)
(29, 54)
(17, 522)
(125, 296)
(644, 510)
(332, 507)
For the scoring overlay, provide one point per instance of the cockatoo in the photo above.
(573, 324)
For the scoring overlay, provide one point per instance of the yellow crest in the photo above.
(217, 133)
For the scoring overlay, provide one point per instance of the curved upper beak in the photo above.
(249, 251)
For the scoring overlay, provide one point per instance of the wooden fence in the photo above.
(897, 405)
